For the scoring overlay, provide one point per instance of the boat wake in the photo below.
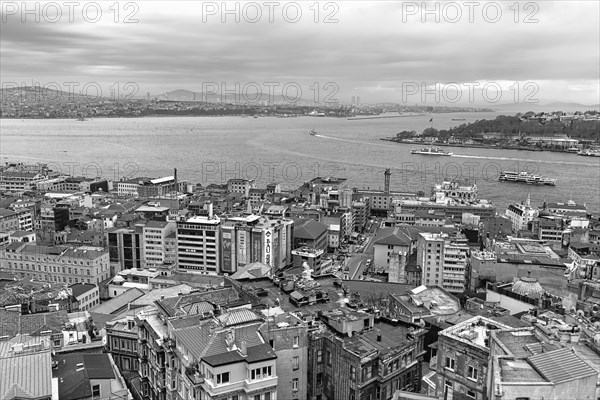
(524, 159)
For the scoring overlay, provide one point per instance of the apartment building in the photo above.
(64, 264)
(443, 261)
(155, 248)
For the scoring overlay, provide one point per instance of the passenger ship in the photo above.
(526, 177)
(432, 151)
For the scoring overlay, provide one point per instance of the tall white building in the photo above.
(154, 248)
(521, 214)
(199, 243)
(443, 261)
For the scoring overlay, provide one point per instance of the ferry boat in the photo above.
(431, 151)
(312, 132)
(526, 177)
(572, 150)
(590, 153)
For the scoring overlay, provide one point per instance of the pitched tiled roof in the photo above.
(308, 229)
(561, 365)
(11, 323)
(27, 376)
(239, 316)
(174, 305)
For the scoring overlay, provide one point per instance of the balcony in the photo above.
(194, 376)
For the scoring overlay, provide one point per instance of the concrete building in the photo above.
(252, 238)
(122, 343)
(64, 264)
(19, 181)
(362, 359)
(86, 294)
(155, 249)
(84, 376)
(521, 215)
(125, 246)
(288, 336)
(443, 261)
(241, 186)
(523, 364)
(390, 241)
(199, 244)
(312, 257)
(310, 233)
(462, 359)
(9, 220)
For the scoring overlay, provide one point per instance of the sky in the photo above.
(451, 53)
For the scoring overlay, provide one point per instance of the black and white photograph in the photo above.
(300, 200)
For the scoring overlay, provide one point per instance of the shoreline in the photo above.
(476, 146)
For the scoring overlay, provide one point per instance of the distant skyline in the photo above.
(379, 50)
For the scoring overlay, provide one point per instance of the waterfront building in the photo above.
(521, 215)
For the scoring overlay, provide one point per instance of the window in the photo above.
(295, 384)
(352, 373)
(96, 391)
(329, 358)
(295, 363)
(268, 396)
(471, 394)
(223, 378)
(473, 373)
(266, 371)
(296, 341)
(352, 395)
(319, 356)
(450, 362)
(257, 397)
(319, 378)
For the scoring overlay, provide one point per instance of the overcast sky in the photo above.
(378, 50)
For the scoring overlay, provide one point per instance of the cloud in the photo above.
(374, 45)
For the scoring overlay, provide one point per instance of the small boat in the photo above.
(312, 132)
(458, 119)
(572, 150)
(431, 151)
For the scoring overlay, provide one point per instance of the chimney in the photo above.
(378, 336)
(244, 349)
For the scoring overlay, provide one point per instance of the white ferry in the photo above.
(431, 151)
(526, 177)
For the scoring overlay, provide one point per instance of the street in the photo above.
(357, 261)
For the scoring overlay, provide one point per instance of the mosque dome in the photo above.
(527, 286)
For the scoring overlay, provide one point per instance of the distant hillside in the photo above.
(240, 97)
(548, 107)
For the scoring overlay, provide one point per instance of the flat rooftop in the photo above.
(519, 371)
(392, 336)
